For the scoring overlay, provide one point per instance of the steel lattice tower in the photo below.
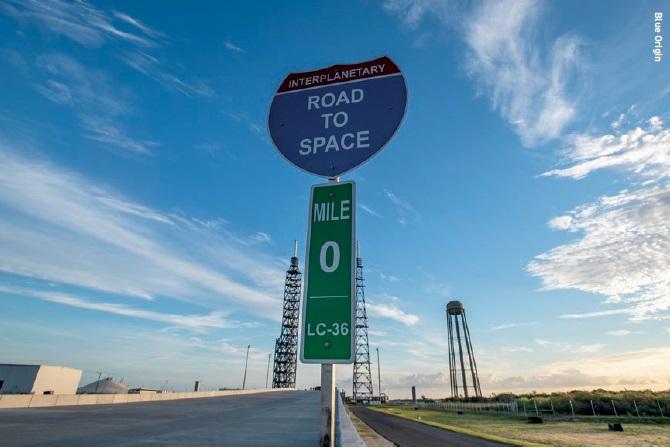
(362, 376)
(456, 312)
(286, 346)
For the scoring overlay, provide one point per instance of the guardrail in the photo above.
(41, 401)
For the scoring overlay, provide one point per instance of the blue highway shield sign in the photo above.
(329, 121)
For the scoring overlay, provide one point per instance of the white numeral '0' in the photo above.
(336, 256)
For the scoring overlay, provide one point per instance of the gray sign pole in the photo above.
(327, 405)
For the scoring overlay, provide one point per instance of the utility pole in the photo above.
(246, 361)
(267, 374)
(379, 376)
(97, 384)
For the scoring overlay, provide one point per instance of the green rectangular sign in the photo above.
(329, 302)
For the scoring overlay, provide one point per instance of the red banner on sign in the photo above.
(338, 74)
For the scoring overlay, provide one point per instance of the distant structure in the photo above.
(362, 376)
(457, 366)
(286, 347)
(38, 379)
(104, 386)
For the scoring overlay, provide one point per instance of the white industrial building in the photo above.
(104, 386)
(38, 379)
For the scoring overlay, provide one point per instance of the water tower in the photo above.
(459, 370)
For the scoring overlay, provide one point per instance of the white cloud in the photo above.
(79, 21)
(619, 333)
(215, 319)
(616, 124)
(105, 131)
(137, 24)
(378, 333)
(526, 80)
(261, 237)
(391, 311)
(404, 209)
(595, 314)
(153, 68)
(527, 88)
(641, 369)
(232, 47)
(645, 152)
(251, 125)
(100, 105)
(623, 252)
(389, 278)
(512, 325)
(397, 201)
(518, 349)
(567, 347)
(94, 27)
(54, 226)
(369, 210)
(589, 348)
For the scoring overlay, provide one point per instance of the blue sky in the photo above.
(146, 220)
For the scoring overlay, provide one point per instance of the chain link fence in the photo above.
(557, 407)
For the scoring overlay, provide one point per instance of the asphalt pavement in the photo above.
(289, 418)
(404, 432)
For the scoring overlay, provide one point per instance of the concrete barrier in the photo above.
(105, 398)
(15, 401)
(67, 400)
(87, 399)
(35, 401)
(120, 398)
(43, 401)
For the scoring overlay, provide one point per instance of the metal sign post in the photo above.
(327, 122)
(327, 405)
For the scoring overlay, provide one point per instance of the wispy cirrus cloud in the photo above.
(100, 106)
(391, 311)
(94, 27)
(215, 319)
(528, 88)
(525, 78)
(405, 210)
(369, 210)
(512, 325)
(152, 67)
(61, 227)
(618, 333)
(642, 151)
(232, 47)
(79, 21)
(250, 124)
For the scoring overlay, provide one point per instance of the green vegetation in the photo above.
(556, 431)
(649, 404)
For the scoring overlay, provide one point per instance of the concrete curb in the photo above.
(345, 432)
(45, 401)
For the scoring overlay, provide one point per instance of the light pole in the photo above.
(379, 376)
(267, 374)
(246, 361)
(97, 383)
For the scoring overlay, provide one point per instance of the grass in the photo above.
(553, 432)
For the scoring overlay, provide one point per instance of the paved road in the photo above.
(405, 432)
(276, 419)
